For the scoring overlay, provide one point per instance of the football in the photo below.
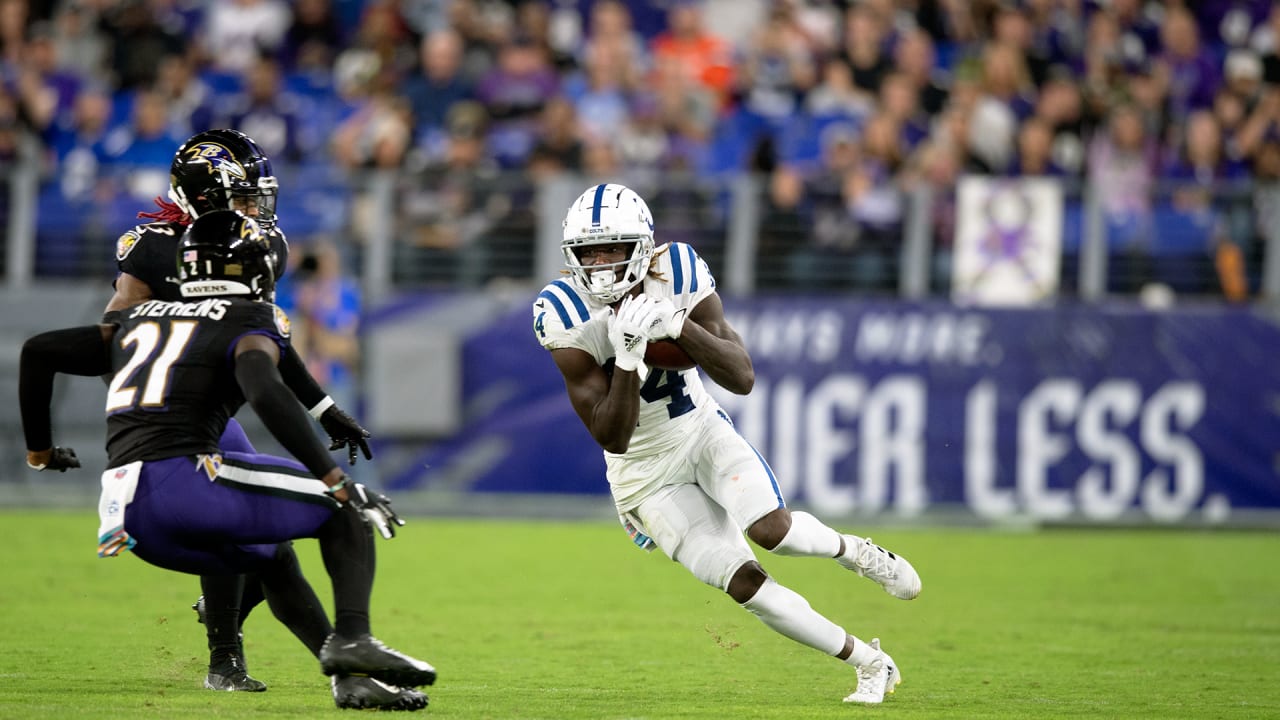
(667, 355)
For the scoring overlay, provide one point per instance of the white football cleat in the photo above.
(876, 679)
(869, 560)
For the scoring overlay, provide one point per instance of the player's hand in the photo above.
(57, 458)
(628, 331)
(667, 321)
(344, 431)
(375, 507)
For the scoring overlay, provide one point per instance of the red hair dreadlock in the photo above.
(168, 212)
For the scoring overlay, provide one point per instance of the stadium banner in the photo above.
(1008, 242)
(1071, 414)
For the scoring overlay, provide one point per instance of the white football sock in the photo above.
(862, 653)
(789, 614)
(808, 537)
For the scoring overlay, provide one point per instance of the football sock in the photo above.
(292, 600)
(789, 614)
(222, 614)
(808, 537)
(251, 598)
(346, 545)
(862, 653)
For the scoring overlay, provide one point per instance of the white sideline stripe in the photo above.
(266, 478)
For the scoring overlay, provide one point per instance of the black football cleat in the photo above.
(366, 655)
(363, 693)
(230, 675)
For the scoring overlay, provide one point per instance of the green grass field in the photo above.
(568, 620)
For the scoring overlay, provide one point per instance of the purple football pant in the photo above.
(182, 520)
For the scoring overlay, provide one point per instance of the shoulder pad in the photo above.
(557, 310)
(127, 243)
(689, 272)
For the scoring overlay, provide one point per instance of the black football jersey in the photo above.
(149, 253)
(174, 386)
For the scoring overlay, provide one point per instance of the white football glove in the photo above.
(628, 331)
(667, 320)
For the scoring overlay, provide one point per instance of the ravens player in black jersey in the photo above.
(172, 494)
(218, 170)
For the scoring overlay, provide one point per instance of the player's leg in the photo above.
(346, 546)
(295, 604)
(697, 532)
(265, 498)
(736, 476)
(225, 602)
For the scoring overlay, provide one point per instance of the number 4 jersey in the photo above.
(564, 316)
(174, 384)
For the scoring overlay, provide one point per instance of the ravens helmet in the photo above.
(225, 252)
(223, 170)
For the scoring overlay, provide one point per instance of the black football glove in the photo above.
(375, 507)
(59, 459)
(344, 431)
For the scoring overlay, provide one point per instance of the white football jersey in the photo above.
(565, 316)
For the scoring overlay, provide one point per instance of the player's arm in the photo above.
(609, 408)
(343, 429)
(129, 291)
(256, 357)
(74, 351)
(717, 348)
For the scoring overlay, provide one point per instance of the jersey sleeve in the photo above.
(558, 314)
(691, 278)
(259, 318)
(147, 253)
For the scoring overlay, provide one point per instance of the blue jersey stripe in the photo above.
(677, 268)
(693, 269)
(578, 305)
(558, 306)
(595, 207)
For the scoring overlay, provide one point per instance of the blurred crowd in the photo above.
(1162, 107)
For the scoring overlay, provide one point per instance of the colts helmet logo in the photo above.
(219, 159)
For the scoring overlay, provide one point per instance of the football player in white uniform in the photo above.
(681, 476)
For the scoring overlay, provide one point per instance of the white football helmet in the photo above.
(603, 215)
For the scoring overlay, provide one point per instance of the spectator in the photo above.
(75, 143)
(836, 95)
(599, 94)
(190, 99)
(610, 32)
(865, 42)
(1121, 169)
(914, 57)
(80, 46)
(558, 133)
(1035, 151)
(138, 44)
(269, 113)
(314, 37)
(323, 302)
(514, 92)
(138, 154)
(778, 68)
(377, 133)
(702, 57)
(784, 227)
(237, 32)
(437, 85)
(1187, 69)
